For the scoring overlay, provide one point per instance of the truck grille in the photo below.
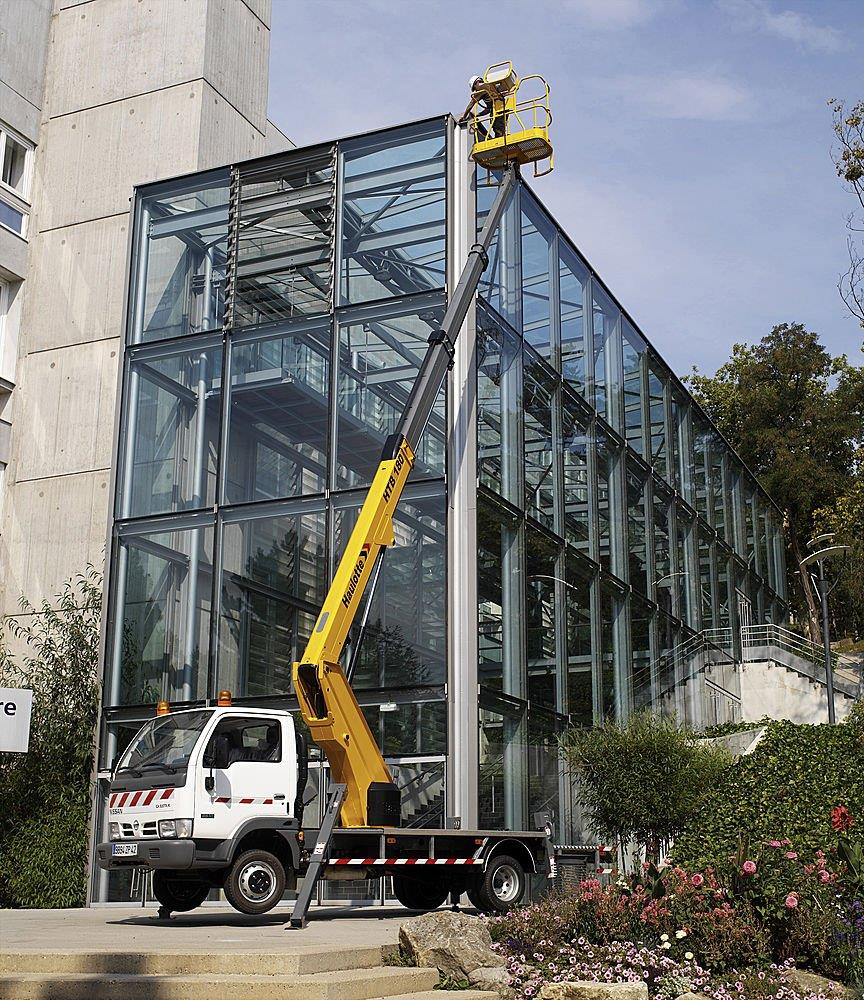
(146, 830)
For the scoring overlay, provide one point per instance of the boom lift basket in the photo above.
(508, 126)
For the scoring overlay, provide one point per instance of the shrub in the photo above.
(45, 794)
(789, 784)
(641, 780)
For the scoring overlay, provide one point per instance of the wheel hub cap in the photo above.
(505, 884)
(257, 881)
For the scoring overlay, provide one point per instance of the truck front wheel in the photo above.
(501, 887)
(178, 893)
(416, 895)
(255, 882)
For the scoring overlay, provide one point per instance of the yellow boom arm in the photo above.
(327, 702)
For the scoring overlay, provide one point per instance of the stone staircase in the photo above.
(321, 973)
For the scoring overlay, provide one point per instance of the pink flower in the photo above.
(696, 880)
(824, 876)
(774, 843)
(749, 868)
(792, 900)
(791, 855)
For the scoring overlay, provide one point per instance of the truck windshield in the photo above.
(164, 743)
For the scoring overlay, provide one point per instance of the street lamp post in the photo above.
(819, 556)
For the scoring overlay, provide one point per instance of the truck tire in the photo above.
(501, 886)
(177, 893)
(414, 894)
(255, 882)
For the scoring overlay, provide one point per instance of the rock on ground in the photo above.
(809, 981)
(692, 996)
(453, 943)
(593, 991)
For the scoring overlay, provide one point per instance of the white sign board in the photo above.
(15, 706)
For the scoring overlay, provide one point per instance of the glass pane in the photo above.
(277, 435)
(499, 285)
(543, 760)
(657, 418)
(413, 728)
(702, 435)
(285, 239)
(540, 451)
(393, 213)
(160, 620)
(536, 239)
(498, 390)
(605, 376)
(406, 635)
(273, 585)
(579, 639)
(685, 572)
(718, 484)
(499, 608)
(572, 277)
(172, 431)
(575, 448)
(181, 278)
(608, 523)
(665, 581)
(503, 758)
(637, 479)
(14, 165)
(634, 350)
(610, 608)
(11, 218)
(541, 560)
(640, 637)
(706, 580)
(379, 357)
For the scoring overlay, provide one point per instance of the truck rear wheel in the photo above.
(416, 895)
(255, 882)
(501, 886)
(178, 893)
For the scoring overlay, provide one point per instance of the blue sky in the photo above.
(692, 138)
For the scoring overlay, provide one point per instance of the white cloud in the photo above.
(613, 13)
(790, 25)
(682, 95)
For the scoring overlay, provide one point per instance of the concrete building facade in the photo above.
(104, 94)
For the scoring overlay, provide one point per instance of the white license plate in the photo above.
(124, 850)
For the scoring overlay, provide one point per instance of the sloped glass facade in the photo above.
(278, 313)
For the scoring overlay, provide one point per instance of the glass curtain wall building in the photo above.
(576, 539)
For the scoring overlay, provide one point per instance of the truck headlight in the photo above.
(175, 828)
(114, 831)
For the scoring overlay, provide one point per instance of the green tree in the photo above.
(849, 161)
(641, 780)
(795, 414)
(45, 794)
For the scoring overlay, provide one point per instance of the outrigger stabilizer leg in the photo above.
(319, 857)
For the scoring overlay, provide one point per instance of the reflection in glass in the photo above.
(499, 380)
(180, 284)
(665, 582)
(393, 213)
(607, 514)
(701, 463)
(575, 448)
(277, 437)
(606, 386)
(160, 619)
(540, 451)
(718, 484)
(273, 586)
(172, 430)
(380, 352)
(285, 239)
(499, 611)
(634, 351)
(640, 640)
(610, 609)
(536, 239)
(580, 697)
(657, 418)
(503, 791)
(541, 561)
(573, 278)
(405, 640)
(637, 550)
(499, 285)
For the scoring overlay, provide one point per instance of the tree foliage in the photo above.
(45, 794)
(795, 414)
(849, 161)
(640, 780)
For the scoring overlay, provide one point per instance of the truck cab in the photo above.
(208, 798)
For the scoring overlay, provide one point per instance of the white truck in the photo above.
(213, 797)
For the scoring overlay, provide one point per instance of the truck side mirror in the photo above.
(221, 751)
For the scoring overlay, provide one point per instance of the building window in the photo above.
(16, 167)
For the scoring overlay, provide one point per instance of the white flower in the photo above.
(680, 934)
(666, 944)
(664, 937)
(688, 955)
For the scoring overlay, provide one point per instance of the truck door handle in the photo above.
(278, 798)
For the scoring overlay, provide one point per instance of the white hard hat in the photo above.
(473, 80)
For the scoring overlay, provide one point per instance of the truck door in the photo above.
(259, 781)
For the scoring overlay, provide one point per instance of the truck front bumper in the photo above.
(149, 854)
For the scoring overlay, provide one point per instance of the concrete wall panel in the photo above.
(13, 255)
(67, 406)
(262, 9)
(24, 26)
(90, 161)
(114, 49)
(224, 136)
(236, 61)
(40, 552)
(77, 278)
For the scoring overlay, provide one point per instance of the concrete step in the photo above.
(350, 984)
(323, 958)
(444, 994)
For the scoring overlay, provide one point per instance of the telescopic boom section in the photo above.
(327, 702)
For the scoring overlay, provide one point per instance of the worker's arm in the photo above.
(327, 703)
